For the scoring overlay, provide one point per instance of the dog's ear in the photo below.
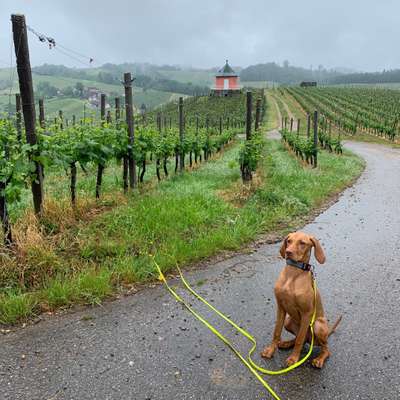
(283, 247)
(318, 252)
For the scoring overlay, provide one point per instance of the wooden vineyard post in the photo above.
(73, 120)
(298, 127)
(109, 120)
(258, 114)
(41, 114)
(4, 217)
(181, 136)
(117, 109)
(291, 124)
(244, 166)
(315, 138)
(220, 125)
(18, 116)
(102, 108)
(131, 130)
(60, 116)
(248, 115)
(282, 123)
(285, 124)
(308, 125)
(101, 166)
(28, 103)
(159, 128)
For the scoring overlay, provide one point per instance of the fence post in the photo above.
(248, 115)
(60, 115)
(244, 166)
(41, 114)
(18, 116)
(181, 135)
(308, 125)
(291, 124)
(28, 102)
(131, 133)
(315, 139)
(298, 127)
(117, 109)
(102, 108)
(285, 123)
(258, 114)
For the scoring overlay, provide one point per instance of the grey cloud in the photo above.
(355, 34)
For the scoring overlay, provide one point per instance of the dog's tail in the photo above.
(334, 326)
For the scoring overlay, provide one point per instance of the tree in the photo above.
(80, 88)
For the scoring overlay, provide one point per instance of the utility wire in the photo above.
(73, 54)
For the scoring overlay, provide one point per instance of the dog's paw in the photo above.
(268, 351)
(317, 362)
(292, 359)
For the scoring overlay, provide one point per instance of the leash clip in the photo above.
(313, 273)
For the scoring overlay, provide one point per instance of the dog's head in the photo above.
(297, 246)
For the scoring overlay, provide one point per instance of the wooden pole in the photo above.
(41, 114)
(308, 125)
(117, 109)
(298, 127)
(181, 135)
(315, 139)
(4, 216)
(28, 103)
(60, 115)
(18, 116)
(102, 108)
(291, 124)
(248, 114)
(258, 114)
(131, 130)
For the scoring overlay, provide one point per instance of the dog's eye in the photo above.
(302, 243)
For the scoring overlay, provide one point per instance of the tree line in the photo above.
(111, 73)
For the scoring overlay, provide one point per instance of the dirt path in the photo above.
(147, 347)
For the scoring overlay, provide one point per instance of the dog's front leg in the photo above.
(269, 351)
(300, 339)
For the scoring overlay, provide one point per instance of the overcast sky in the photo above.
(362, 35)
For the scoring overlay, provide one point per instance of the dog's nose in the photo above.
(289, 254)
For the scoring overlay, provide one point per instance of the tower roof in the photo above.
(226, 70)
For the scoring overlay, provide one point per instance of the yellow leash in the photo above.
(249, 363)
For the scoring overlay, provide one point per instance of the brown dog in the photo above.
(295, 301)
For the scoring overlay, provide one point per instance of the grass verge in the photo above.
(181, 220)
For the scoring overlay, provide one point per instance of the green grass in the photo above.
(181, 220)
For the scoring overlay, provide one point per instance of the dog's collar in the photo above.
(298, 264)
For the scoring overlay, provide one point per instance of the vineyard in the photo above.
(351, 110)
(208, 124)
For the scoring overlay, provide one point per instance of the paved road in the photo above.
(147, 347)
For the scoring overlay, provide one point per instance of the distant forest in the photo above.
(392, 76)
(287, 74)
(112, 74)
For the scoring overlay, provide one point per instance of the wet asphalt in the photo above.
(146, 346)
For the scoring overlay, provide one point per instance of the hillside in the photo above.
(70, 104)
